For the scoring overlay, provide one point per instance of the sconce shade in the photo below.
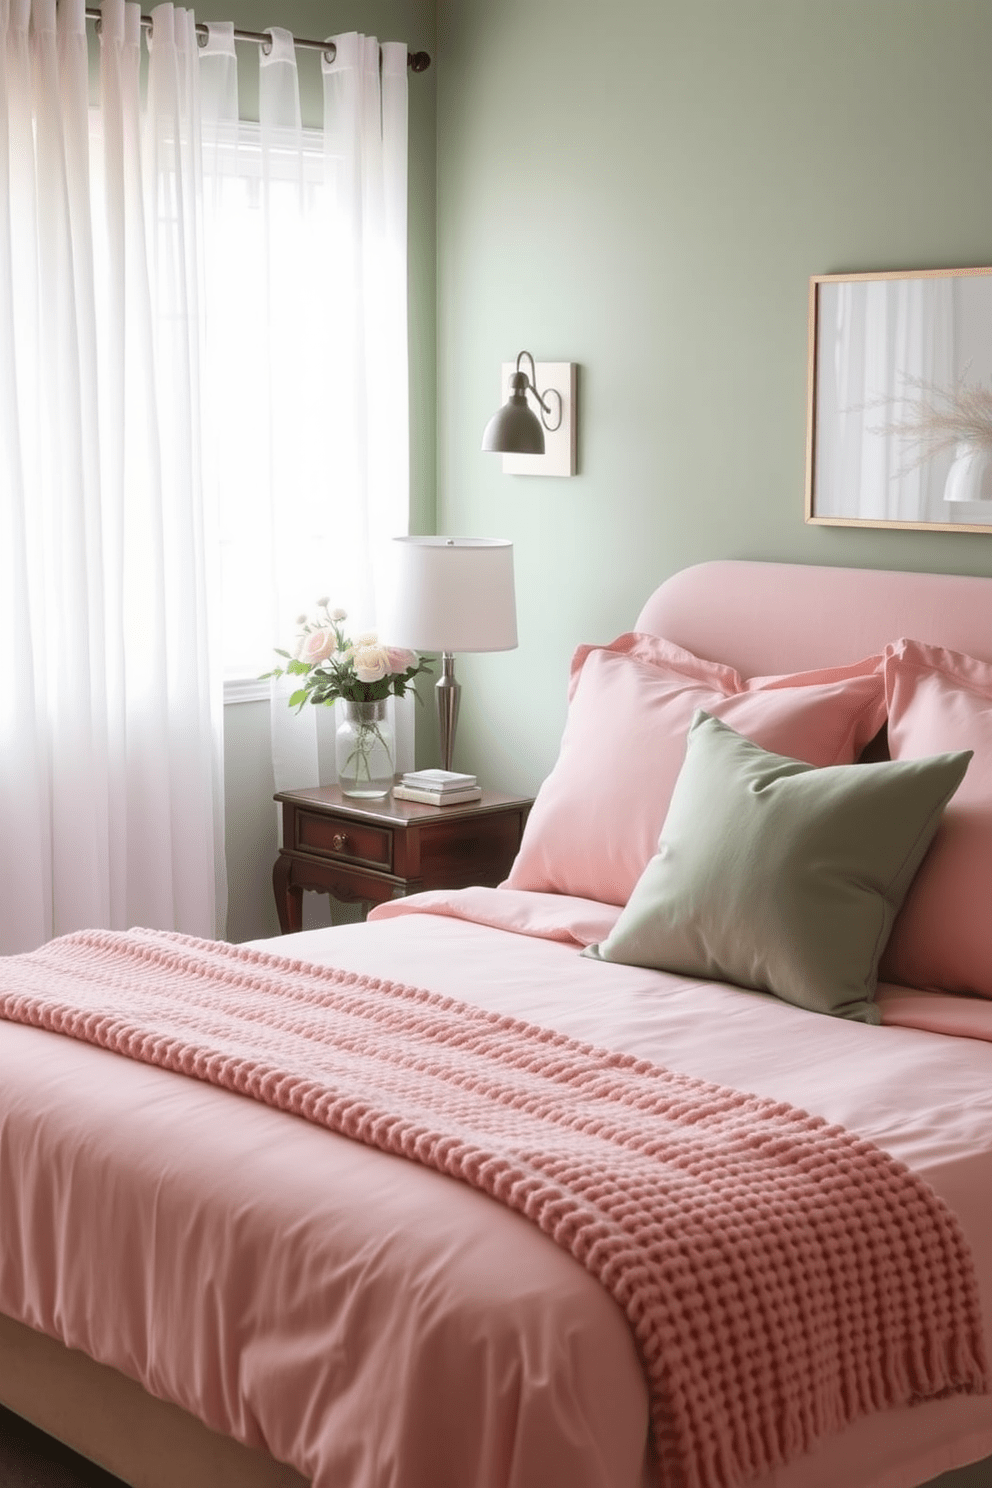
(452, 594)
(515, 429)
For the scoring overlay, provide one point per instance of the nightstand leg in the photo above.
(289, 898)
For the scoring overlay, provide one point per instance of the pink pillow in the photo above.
(942, 939)
(595, 823)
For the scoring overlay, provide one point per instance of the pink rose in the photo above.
(318, 645)
(399, 660)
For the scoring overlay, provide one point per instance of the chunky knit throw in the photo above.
(781, 1276)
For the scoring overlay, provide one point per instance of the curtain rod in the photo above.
(416, 61)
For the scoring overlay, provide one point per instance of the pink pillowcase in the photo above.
(942, 940)
(596, 820)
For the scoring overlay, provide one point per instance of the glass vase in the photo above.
(364, 749)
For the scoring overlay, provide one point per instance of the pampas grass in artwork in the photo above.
(942, 419)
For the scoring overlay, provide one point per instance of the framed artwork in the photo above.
(899, 413)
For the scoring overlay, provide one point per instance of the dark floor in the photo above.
(30, 1459)
(979, 1475)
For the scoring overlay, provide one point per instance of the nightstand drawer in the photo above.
(344, 841)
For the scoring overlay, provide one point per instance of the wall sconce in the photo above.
(532, 444)
(515, 429)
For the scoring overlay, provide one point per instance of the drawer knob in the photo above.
(339, 842)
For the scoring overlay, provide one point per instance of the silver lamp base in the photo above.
(447, 691)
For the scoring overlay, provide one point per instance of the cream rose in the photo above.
(371, 663)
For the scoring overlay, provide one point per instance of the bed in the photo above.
(198, 1288)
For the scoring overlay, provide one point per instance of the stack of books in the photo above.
(437, 787)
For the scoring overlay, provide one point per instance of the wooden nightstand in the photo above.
(371, 851)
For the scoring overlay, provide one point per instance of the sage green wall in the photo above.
(250, 813)
(644, 188)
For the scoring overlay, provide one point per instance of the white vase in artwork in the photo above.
(970, 476)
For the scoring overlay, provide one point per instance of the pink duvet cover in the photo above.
(373, 1322)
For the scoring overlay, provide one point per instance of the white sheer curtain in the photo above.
(879, 343)
(307, 358)
(349, 436)
(203, 392)
(110, 723)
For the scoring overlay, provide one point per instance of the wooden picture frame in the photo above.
(897, 364)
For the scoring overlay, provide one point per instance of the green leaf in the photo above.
(298, 698)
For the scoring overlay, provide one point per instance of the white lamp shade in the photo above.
(452, 594)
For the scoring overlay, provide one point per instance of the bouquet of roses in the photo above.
(359, 671)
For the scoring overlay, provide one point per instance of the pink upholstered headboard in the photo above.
(768, 618)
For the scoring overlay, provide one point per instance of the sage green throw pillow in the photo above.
(776, 875)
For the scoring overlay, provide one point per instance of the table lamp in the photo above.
(452, 594)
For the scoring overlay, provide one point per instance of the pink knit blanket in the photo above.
(781, 1277)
